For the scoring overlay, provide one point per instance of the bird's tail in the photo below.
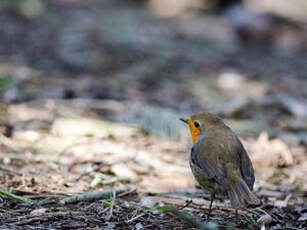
(240, 196)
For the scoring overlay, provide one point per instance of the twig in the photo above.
(194, 221)
(115, 179)
(10, 171)
(15, 197)
(135, 218)
(61, 192)
(188, 202)
(28, 220)
(127, 193)
(91, 196)
(42, 196)
(261, 210)
(45, 202)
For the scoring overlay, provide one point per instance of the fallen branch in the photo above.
(15, 197)
(10, 171)
(91, 196)
(44, 218)
(30, 220)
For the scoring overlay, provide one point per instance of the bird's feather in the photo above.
(212, 165)
(246, 166)
(201, 164)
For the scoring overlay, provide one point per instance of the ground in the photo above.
(94, 107)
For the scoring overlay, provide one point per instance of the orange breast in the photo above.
(195, 132)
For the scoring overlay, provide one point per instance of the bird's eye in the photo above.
(196, 124)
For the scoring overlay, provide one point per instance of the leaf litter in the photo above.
(114, 148)
(147, 177)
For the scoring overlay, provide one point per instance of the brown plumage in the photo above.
(219, 161)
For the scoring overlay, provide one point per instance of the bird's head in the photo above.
(201, 122)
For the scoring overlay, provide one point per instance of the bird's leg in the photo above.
(210, 206)
(236, 216)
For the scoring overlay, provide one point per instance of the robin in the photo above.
(219, 161)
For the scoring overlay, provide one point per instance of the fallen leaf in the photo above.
(38, 212)
(303, 217)
(268, 153)
(147, 202)
(123, 170)
(266, 219)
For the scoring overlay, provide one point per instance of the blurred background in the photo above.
(95, 88)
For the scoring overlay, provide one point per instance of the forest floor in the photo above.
(112, 134)
(141, 177)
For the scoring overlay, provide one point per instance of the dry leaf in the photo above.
(268, 153)
(38, 212)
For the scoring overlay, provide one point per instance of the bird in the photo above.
(219, 161)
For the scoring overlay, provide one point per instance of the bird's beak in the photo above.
(184, 120)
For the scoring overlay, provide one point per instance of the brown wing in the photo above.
(209, 161)
(246, 166)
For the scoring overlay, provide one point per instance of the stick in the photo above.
(135, 218)
(188, 202)
(194, 221)
(28, 220)
(91, 196)
(10, 171)
(31, 220)
(15, 197)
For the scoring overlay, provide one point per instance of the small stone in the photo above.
(138, 226)
(147, 202)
